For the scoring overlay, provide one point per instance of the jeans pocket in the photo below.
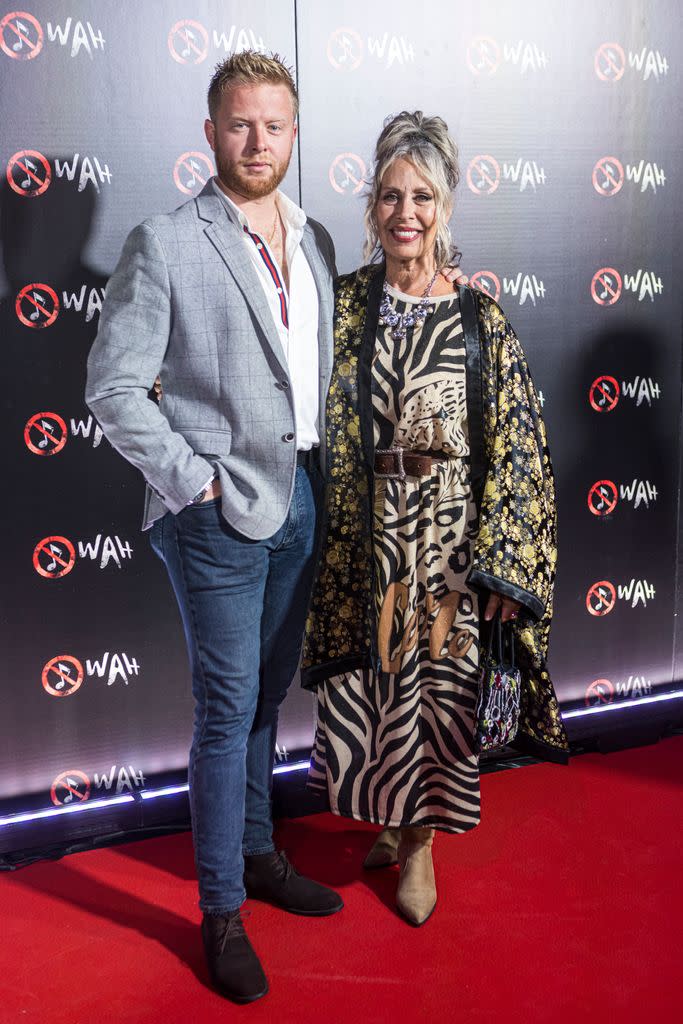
(156, 537)
(203, 504)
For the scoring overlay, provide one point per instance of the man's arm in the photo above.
(123, 364)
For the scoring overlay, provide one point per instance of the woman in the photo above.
(440, 504)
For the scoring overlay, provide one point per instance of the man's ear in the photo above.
(210, 132)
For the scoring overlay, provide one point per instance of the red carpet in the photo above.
(565, 904)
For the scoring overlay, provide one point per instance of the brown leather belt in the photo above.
(398, 463)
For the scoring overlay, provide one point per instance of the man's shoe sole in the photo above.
(239, 999)
(293, 910)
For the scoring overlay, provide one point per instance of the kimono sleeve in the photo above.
(516, 549)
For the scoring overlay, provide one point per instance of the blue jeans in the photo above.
(243, 604)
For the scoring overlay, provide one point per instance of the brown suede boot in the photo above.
(416, 893)
(384, 852)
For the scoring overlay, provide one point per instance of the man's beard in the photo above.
(238, 180)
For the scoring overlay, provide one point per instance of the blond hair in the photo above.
(426, 143)
(249, 68)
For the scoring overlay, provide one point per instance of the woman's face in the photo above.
(405, 212)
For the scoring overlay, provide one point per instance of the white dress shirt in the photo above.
(294, 312)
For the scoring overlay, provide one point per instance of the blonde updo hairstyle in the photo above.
(426, 143)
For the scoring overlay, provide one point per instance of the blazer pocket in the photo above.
(207, 440)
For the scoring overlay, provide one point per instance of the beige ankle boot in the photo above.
(384, 852)
(416, 894)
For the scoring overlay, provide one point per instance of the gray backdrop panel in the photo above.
(570, 167)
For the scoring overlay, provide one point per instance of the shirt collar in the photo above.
(293, 216)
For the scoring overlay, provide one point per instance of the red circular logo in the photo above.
(487, 282)
(347, 173)
(70, 787)
(192, 171)
(483, 55)
(345, 49)
(54, 557)
(28, 173)
(600, 598)
(37, 305)
(604, 394)
(599, 692)
(609, 62)
(603, 497)
(62, 675)
(45, 433)
(606, 286)
(21, 35)
(188, 42)
(608, 176)
(483, 175)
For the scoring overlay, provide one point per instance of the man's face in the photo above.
(252, 138)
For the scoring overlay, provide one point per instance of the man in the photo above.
(228, 301)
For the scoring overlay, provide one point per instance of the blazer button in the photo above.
(284, 384)
(288, 437)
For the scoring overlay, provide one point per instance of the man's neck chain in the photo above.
(271, 236)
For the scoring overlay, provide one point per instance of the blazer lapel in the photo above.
(227, 238)
(321, 276)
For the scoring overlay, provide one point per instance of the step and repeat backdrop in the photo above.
(566, 212)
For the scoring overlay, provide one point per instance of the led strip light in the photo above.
(638, 702)
(146, 794)
(51, 812)
(152, 794)
(296, 766)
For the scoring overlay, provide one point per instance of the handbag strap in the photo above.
(499, 635)
(504, 634)
(508, 644)
(495, 632)
(489, 645)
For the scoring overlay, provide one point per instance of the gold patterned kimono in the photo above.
(514, 551)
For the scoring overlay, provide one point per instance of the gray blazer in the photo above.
(185, 303)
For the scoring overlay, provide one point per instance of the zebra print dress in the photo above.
(395, 747)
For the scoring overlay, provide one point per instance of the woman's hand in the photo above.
(454, 275)
(510, 608)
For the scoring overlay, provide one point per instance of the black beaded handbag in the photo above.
(498, 705)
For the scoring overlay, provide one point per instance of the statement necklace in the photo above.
(400, 322)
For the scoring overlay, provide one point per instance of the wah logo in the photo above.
(611, 62)
(189, 41)
(524, 287)
(347, 48)
(603, 691)
(610, 174)
(604, 495)
(602, 596)
(485, 55)
(485, 173)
